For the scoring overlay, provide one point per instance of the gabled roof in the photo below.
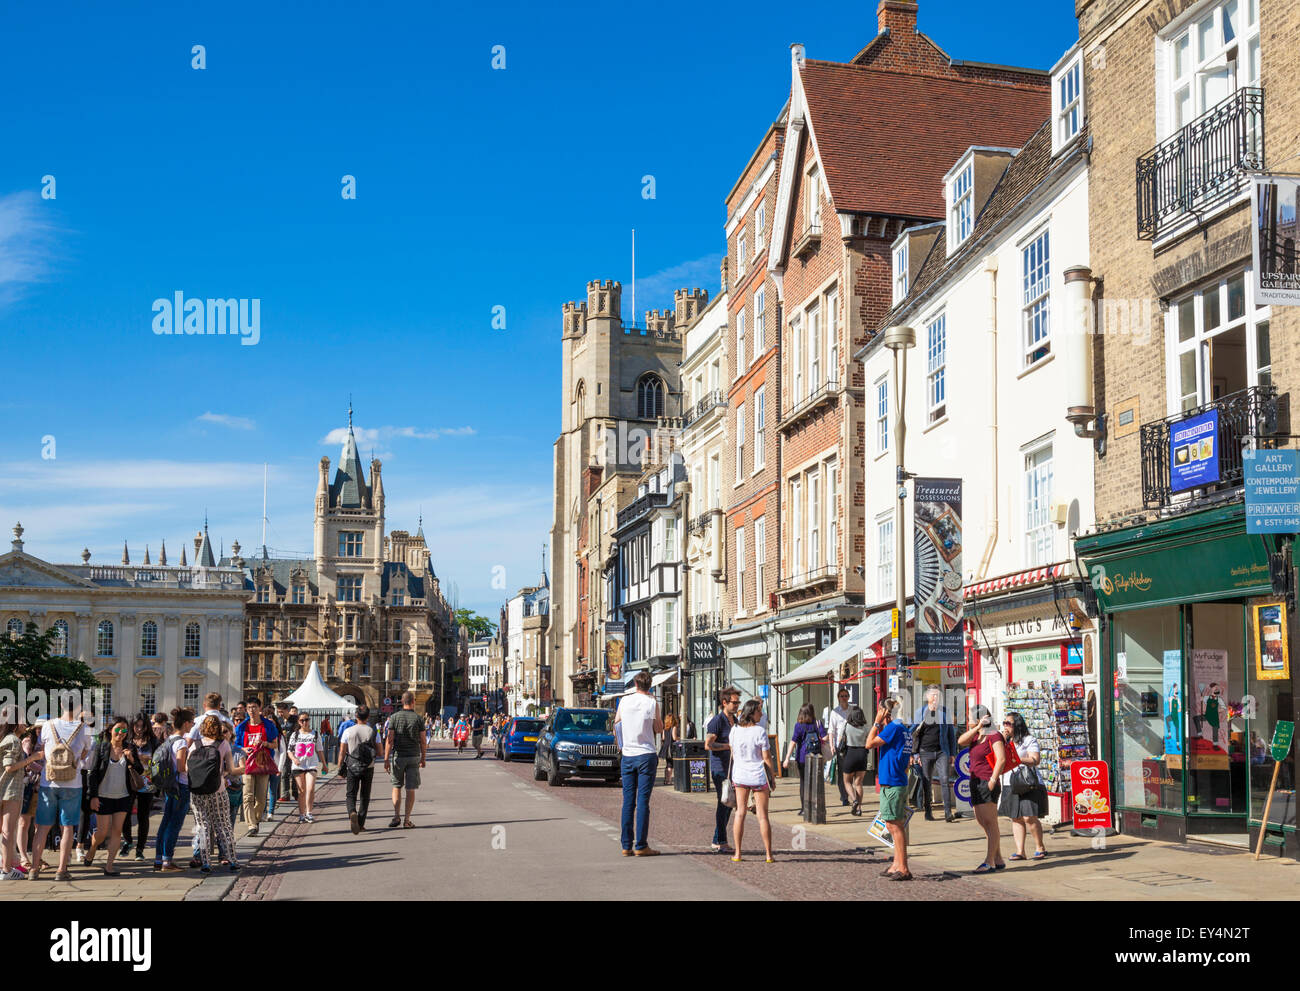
(886, 138)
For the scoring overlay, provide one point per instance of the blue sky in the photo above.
(475, 188)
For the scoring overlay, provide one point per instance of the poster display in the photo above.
(1273, 244)
(1194, 451)
(937, 540)
(1272, 657)
(1036, 664)
(615, 649)
(1173, 703)
(1210, 709)
(1090, 788)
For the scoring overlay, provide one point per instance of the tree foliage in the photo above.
(478, 626)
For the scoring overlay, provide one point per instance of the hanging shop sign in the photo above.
(1272, 658)
(1090, 792)
(1272, 491)
(937, 591)
(615, 650)
(704, 652)
(1194, 451)
(1274, 199)
(1282, 735)
(810, 638)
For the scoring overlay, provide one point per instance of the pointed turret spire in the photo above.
(126, 555)
(419, 527)
(349, 490)
(184, 563)
(146, 554)
(162, 555)
(204, 558)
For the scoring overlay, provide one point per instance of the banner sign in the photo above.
(1282, 735)
(704, 652)
(1037, 664)
(1272, 491)
(1173, 705)
(1090, 791)
(1273, 206)
(615, 650)
(938, 582)
(1194, 451)
(1272, 660)
(544, 683)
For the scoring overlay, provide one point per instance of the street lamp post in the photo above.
(683, 684)
(900, 340)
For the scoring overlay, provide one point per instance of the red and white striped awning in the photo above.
(1018, 580)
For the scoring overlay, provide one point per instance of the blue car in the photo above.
(518, 738)
(577, 743)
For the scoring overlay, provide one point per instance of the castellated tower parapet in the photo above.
(660, 323)
(604, 299)
(575, 319)
(690, 303)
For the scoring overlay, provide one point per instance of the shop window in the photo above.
(1268, 624)
(1148, 713)
(1215, 728)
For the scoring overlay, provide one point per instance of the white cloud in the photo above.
(143, 475)
(26, 244)
(369, 436)
(226, 420)
(656, 290)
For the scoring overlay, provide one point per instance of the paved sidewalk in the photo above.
(1125, 869)
(138, 882)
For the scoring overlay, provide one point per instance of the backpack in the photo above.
(204, 769)
(162, 770)
(362, 757)
(61, 762)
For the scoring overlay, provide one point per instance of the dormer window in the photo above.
(961, 205)
(1067, 100)
(900, 273)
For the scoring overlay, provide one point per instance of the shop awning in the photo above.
(856, 641)
(661, 678)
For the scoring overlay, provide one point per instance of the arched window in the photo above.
(60, 638)
(149, 639)
(580, 405)
(104, 640)
(649, 397)
(14, 628)
(193, 642)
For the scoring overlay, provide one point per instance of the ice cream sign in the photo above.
(1194, 451)
(1090, 794)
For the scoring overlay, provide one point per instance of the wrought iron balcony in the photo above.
(1250, 413)
(824, 393)
(643, 505)
(700, 523)
(705, 623)
(712, 400)
(1202, 165)
(827, 573)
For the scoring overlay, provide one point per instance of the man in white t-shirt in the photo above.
(635, 725)
(836, 720)
(60, 801)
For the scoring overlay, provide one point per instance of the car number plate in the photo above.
(530, 739)
(600, 763)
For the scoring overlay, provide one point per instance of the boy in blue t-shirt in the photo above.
(890, 737)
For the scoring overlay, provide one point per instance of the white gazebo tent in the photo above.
(316, 698)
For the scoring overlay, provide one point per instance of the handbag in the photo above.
(134, 780)
(914, 785)
(1024, 779)
(728, 794)
(262, 761)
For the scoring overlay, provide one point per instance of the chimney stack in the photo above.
(897, 17)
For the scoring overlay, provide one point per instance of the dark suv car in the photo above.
(577, 743)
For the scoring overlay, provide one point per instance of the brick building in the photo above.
(865, 149)
(1184, 100)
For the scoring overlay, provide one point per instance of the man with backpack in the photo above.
(66, 743)
(257, 736)
(357, 757)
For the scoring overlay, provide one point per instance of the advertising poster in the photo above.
(1272, 656)
(615, 649)
(1210, 703)
(938, 582)
(1036, 664)
(1194, 451)
(1272, 491)
(1090, 791)
(1173, 701)
(1277, 276)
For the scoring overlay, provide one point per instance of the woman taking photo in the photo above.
(32, 750)
(1024, 798)
(144, 742)
(115, 776)
(988, 759)
(13, 766)
(854, 765)
(751, 764)
(305, 752)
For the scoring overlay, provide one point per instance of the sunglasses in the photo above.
(119, 730)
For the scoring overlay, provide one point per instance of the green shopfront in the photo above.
(1196, 674)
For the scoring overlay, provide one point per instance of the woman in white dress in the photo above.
(751, 774)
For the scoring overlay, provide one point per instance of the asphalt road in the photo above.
(481, 829)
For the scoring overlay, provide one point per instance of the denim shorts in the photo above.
(61, 804)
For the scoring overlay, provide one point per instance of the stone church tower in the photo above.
(618, 384)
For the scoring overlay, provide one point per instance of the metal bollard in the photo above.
(813, 790)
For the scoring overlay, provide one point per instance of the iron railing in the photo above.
(823, 393)
(1250, 413)
(705, 623)
(712, 399)
(641, 506)
(700, 523)
(815, 576)
(1201, 165)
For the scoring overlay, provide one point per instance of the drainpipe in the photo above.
(991, 268)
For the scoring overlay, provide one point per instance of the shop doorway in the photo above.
(1217, 796)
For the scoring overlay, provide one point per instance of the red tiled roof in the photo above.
(887, 138)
